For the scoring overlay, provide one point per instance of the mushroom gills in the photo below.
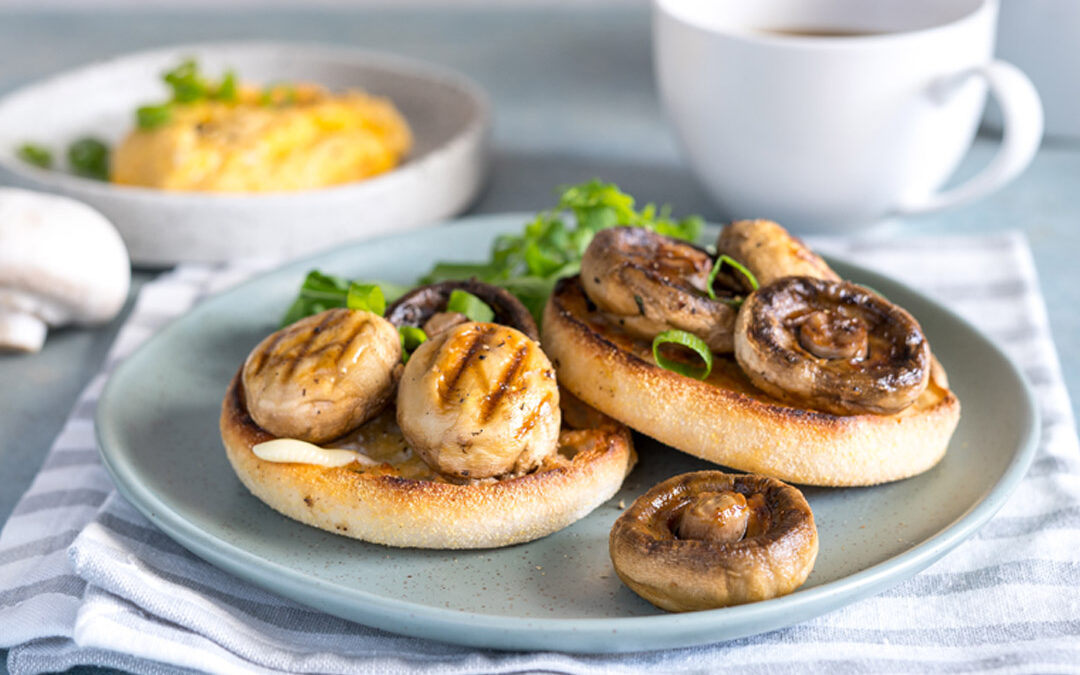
(832, 346)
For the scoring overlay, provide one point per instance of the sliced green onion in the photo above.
(720, 262)
(89, 158)
(691, 342)
(471, 306)
(153, 116)
(37, 155)
(366, 297)
(411, 338)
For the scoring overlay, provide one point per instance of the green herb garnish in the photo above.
(471, 306)
(528, 264)
(320, 292)
(552, 243)
(227, 90)
(366, 297)
(411, 338)
(89, 158)
(153, 116)
(186, 83)
(37, 155)
(690, 341)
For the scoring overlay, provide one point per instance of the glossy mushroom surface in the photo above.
(478, 401)
(833, 346)
(710, 539)
(770, 252)
(323, 375)
(651, 283)
(425, 307)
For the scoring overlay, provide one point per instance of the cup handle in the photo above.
(1022, 124)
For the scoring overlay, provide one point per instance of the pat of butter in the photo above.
(301, 452)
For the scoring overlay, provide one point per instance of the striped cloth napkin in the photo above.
(85, 579)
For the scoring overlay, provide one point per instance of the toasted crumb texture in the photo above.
(399, 505)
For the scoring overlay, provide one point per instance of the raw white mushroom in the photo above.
(60, 262)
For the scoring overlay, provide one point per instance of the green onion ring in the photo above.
(475, 309)
(738, 267)
(690, 341)
(411, 338)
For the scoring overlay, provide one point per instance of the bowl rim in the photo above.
(473, 131)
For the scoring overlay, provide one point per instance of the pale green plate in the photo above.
(157, 426)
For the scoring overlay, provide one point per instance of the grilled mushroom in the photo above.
(480, 400)
(653, 283)
(425, 307)
(710, 539)
(323, 375)
(770, 252)
(833, 346)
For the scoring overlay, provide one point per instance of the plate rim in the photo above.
(474, 130)
(583, 635)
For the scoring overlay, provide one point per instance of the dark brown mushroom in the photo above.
(709, 539)
(833, 346)
(770, 252)
(425, 307)
(651, 283)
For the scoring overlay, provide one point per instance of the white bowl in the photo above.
(449, 116)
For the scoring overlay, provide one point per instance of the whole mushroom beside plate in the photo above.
(61, 262)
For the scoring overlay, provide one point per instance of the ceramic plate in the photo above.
(157, 426)
(449, 117)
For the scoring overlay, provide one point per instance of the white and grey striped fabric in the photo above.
(85, 579)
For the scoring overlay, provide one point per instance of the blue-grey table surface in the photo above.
(574, 98)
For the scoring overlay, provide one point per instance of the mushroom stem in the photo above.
(22, 332)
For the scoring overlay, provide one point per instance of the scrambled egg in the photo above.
(299, 139)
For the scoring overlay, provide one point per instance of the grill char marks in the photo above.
(505, 383)
(323, 375)
(471, 402)
(304, 340)
(470, 350)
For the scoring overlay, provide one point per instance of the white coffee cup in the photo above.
(829, 115)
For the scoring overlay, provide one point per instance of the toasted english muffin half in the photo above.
(725, 419)
(394, 498)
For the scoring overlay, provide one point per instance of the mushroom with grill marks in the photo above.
(833, 346)
(652, 283)
(322, 376)
(709, 539)
(770, 252)
(480, 400)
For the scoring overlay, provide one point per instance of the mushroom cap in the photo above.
(323, 375)
(833, 346)
(682, 575)
(770, 252)
(60, 262)
(419, 305)
(480, 400)
(653, 283)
